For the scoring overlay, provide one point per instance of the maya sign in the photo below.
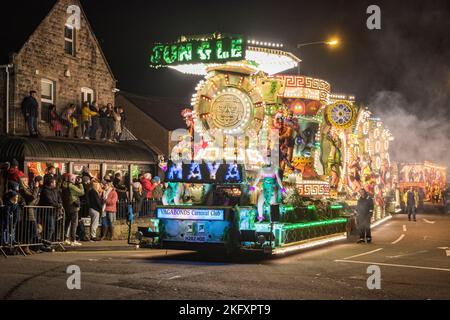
(198, 51)
(204, 173)
(190, 214)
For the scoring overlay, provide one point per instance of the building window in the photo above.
(87, 95)
(47, 91)
(69, 40)
(47, 97)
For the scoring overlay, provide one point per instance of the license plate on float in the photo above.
(190, 238)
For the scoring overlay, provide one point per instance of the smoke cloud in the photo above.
(417, 138)
(412, 97)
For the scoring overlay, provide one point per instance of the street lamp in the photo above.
(331, 43)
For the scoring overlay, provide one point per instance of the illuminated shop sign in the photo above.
(190, 214)
(204, 173)
(198, 51)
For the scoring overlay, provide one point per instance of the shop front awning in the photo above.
(74, 150)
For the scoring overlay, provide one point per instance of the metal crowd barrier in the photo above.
(32, 226)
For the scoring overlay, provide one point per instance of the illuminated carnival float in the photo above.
(267, 162)
(428, 178)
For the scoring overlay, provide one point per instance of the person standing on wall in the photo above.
(95, 119)
(55, 123)
(69, 119)
(364, 211)
(109, 123)
(30, 108)
(103, 121)
(86, 120)
(117, 131)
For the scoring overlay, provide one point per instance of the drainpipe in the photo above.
(7, 67)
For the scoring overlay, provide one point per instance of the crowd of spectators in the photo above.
(67, 193)
(88, 121)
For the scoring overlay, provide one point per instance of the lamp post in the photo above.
(330, 43)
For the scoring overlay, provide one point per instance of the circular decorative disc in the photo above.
(230, 104)
(341, 114)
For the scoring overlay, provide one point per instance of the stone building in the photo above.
(54, 53)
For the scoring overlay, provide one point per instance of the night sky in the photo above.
(412, 47)
(401, 72)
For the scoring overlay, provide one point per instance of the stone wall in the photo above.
(43, 57)
(121, 228)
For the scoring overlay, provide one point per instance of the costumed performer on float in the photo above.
(272, 188)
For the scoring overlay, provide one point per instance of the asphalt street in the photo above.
(413, 257)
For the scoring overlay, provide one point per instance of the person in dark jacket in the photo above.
(50, 197)
(411, 199)
(95, 120)
(364, 211)
(103, 120)
(120, 187)
(10, 218)
(31, 198)
(110, 122)
(51, 174)
(30, 109)
(95, 207)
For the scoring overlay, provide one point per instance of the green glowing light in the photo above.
(221, 53)
(204, 51)
(312, 207)
(185, 52)
(212, 50)
(170, 54)
(285, 209)
(236, 48)
(337, 206)
(314, 224)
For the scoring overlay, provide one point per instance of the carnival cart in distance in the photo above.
(267, 162)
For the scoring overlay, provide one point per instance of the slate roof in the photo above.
(165, 111)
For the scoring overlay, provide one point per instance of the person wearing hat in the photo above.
(10, 217)
(14, 174)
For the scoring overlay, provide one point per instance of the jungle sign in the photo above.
(198, 51)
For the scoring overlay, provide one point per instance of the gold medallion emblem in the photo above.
(228, 110)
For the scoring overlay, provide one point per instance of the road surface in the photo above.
(413, 257)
